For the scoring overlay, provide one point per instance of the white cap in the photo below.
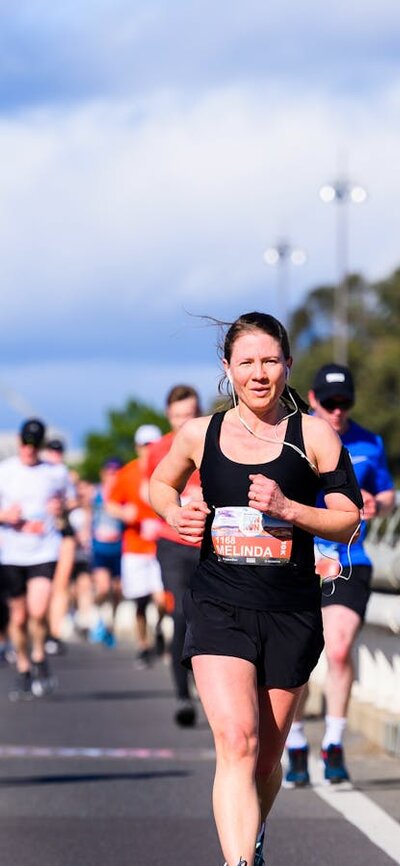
(147, 433)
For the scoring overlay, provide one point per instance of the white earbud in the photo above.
(287, 373)
(228, 376)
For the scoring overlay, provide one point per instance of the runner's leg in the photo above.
(38, 600)
(276, 711)
(18, 630)
(228, 691)
(341, 626)
(60, 592)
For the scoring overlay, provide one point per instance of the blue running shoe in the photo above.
(109, 639)
(101, 634)
(259, 855)
(98, 633)
(297, 775)
(335, 770)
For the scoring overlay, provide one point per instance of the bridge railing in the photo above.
(375, 703)
(383, 546)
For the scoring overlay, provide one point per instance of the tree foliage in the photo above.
(374, 351)
(117, 440)
(374, 358)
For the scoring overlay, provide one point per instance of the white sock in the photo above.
(296, 736)
(334, 728)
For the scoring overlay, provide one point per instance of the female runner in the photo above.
(254, 629)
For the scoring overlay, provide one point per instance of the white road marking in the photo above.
(90, 752)
(359, 810)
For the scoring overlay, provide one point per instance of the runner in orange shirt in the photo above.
(140, 570)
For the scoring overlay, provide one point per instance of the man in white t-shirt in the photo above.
(31, 495)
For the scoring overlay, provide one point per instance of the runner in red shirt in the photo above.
(177, 558)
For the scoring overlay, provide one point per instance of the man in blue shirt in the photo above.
(107, 534)
(343, 603)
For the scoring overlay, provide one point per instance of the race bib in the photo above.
(246, 536)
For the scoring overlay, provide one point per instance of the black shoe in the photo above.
(159, 644)
(185, 715)
(259, 856)
(43, 681)
(54, 646)
(143, 660)
(22, 688)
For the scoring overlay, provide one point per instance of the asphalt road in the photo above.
(99, 775)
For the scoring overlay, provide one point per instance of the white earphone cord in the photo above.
(275, 440)
(333, 580)
(313, 467)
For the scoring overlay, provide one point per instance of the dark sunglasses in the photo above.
(331, 404)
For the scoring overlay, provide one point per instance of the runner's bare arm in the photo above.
(339, 520)
(170, 477)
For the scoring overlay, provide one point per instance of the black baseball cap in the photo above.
(32, 432)
(56, 445)
(333, 380)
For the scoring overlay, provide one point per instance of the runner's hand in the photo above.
(266, 495)
(130, 513)
(189, 520)
(369, 509)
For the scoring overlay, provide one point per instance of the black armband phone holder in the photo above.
(342, 480)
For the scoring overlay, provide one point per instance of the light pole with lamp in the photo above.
(342, 192)
(281, 255)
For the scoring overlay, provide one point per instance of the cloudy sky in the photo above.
(149, 153)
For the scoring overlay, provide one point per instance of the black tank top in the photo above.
(225, 483)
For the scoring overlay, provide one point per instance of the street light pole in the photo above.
(281, 255)
(342, 192)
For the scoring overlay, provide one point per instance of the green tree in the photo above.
(117, 440)
(374, 351)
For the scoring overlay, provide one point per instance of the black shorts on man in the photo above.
(16, 577)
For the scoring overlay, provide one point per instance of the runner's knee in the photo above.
(236, 741)
(339, 652)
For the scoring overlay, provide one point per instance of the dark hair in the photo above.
(255, 321)
(181, 392)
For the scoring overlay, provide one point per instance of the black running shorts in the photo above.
(353, 593)
(284, 646)
(16, 577)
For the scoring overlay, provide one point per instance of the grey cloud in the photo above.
(70, 52)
